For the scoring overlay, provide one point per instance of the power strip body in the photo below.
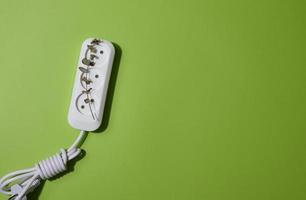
(91, 84)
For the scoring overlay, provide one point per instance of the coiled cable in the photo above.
(20, 183)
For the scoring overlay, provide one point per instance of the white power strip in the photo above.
(85, 114)
(91, 83)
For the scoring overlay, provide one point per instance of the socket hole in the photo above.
(82, 106)
(101, 52)
(96, 76)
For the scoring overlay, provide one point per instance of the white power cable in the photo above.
(19, 183)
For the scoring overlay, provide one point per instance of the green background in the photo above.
(209, 100)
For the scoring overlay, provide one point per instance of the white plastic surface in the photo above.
(87, 105)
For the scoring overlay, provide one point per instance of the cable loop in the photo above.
(26, 180)
(53, 165)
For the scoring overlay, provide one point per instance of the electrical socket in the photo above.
(90, 85)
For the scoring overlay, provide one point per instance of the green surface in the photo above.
(209, 102)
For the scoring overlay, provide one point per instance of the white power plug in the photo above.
(91, 83)
(85, 114)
